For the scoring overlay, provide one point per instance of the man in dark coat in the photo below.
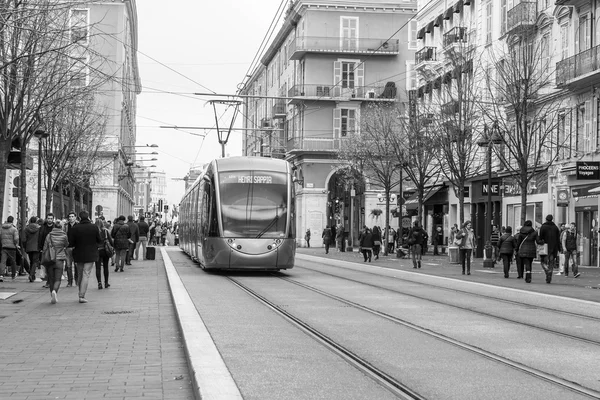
(69, 262)
(143, 229)
(44, 231)
(121, 234)
(85, 238)
(134, 238)
(550, 235)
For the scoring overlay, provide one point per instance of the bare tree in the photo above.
(524, 108)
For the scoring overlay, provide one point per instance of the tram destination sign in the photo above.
(258, 177)
(588, 170)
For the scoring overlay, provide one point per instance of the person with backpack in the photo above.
(416, 238)
(527, 249)
(58, 239)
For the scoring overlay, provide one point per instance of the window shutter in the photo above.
(588, 127)
(360, 80)
(337, 127)
(337, 78)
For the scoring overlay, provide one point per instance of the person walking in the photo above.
(507, 244)
(58, 239)
(307, 238)
(10, 244)
(339, 237)
(366, 244)
(391, 239)
(45, 229)
(494, 238)
(416, 239)
(527, 248)
(121, 234)
(327, 235)
(143, 230)
(31, 244)
(103, 258)
(69, 263)
(570, 245)
(376, 241)
(467, 245)
(152, 233)
(133, 239)
(85, 238)
(438, 240)
(549, 235)
(163, 234)
(561, 256)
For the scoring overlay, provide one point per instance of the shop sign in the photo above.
(588, 170)
(562, 197)
(495, 188)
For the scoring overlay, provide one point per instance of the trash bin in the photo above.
(454, 255)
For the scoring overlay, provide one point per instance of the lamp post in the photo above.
(40, 134)
(489, 138)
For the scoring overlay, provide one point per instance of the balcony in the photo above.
(313, 144)
(313, 92)
(279, 109)
(426, 60)
(580, 69)
(456, 40)
(521, 18)
(451, 107)
(337, 45)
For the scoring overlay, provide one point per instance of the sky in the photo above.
(186, 47)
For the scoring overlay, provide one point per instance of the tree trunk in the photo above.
(461, 206)
(387, 221)
(62, 198)
(523, 201)
(4, 151)
(23, 189)
(48, 192)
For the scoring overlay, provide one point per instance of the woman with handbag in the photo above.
(507, 245)
(467, 244)
(54, 257)
(376, 241)
(527, 248)
(105, 252)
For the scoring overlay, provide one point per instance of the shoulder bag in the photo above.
(108, 249)
(49, 254)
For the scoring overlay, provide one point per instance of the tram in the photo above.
(239, 214)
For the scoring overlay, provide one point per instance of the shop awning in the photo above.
(595, 190)
(413, 201)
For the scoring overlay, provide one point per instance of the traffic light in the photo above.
(166, 208)
(160, 204)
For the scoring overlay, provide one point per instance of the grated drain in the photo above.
(117, 312)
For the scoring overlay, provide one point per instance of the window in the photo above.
(584, 34)
(349, 34)
(79, 72)
(503, 18)
(79, 26)
(412, 35)
(411, 75)
(564, 41)
(347, 75)
(545, 53)
(348, 121)
(488, 22)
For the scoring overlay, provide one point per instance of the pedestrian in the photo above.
(391, 239)
(561, 254)
(69, 263)
(570, 245)
(366, 244)
(31, 244)
(10, 245)
(121, 234)
(438, 240)
(517, 258)
(467, 245)
(152, 233)
(158, 233)
(376, 241)
(163, 234)
(527, 248)
(307, 237)
(143, 230)
(46, 227)
(103, 258)
(507, 244)
(58, 239)
(327, 235)
(416, 239)
(133, 239)
(494, 238)
(339, 237)
(85, 238)
(549, 236)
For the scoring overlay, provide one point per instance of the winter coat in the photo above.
(32, 236)
(494, 238)
(105, 235)
(377, 236)
(570, 241)
(467, 238)
(135, 231)
(143, 228)
(326, 235)
(416, 236)
(44, 231)
(526, 242)
(10, 236)
(84, 237)
(366, 240)
(121, 233)
(550, 234)
(339, 234)
(507, 244)
(59, 240)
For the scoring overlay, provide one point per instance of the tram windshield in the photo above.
(253, 204)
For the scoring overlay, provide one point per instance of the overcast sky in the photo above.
(191, 46)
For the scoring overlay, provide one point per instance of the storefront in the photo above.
(537, 206)
(586, 218)
(479, 199)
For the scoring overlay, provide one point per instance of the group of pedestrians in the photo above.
(75, 246)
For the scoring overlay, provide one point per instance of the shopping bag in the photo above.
(542, 249)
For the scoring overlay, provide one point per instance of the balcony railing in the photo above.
(579, 65)
(521, 17)
(456, 35)
(314, 144)
(321, 44)
(425, 54)
(279, 109)
(328, 92)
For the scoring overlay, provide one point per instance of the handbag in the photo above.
(377, 243)
(49, 254)
(108, 249)
(542, 249)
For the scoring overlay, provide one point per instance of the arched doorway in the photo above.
(344, 205)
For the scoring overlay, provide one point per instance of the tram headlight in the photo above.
(239, 247)
(230, 241)
(269, 247)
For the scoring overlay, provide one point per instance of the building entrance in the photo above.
(586, 219)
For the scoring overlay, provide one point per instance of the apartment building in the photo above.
(329, 60)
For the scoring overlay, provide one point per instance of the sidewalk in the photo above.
(586, 287)
(124, 344)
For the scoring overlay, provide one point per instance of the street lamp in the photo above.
(40, 134)
(489, 138)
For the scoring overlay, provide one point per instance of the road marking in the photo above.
(210, 376)
(6, 295)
